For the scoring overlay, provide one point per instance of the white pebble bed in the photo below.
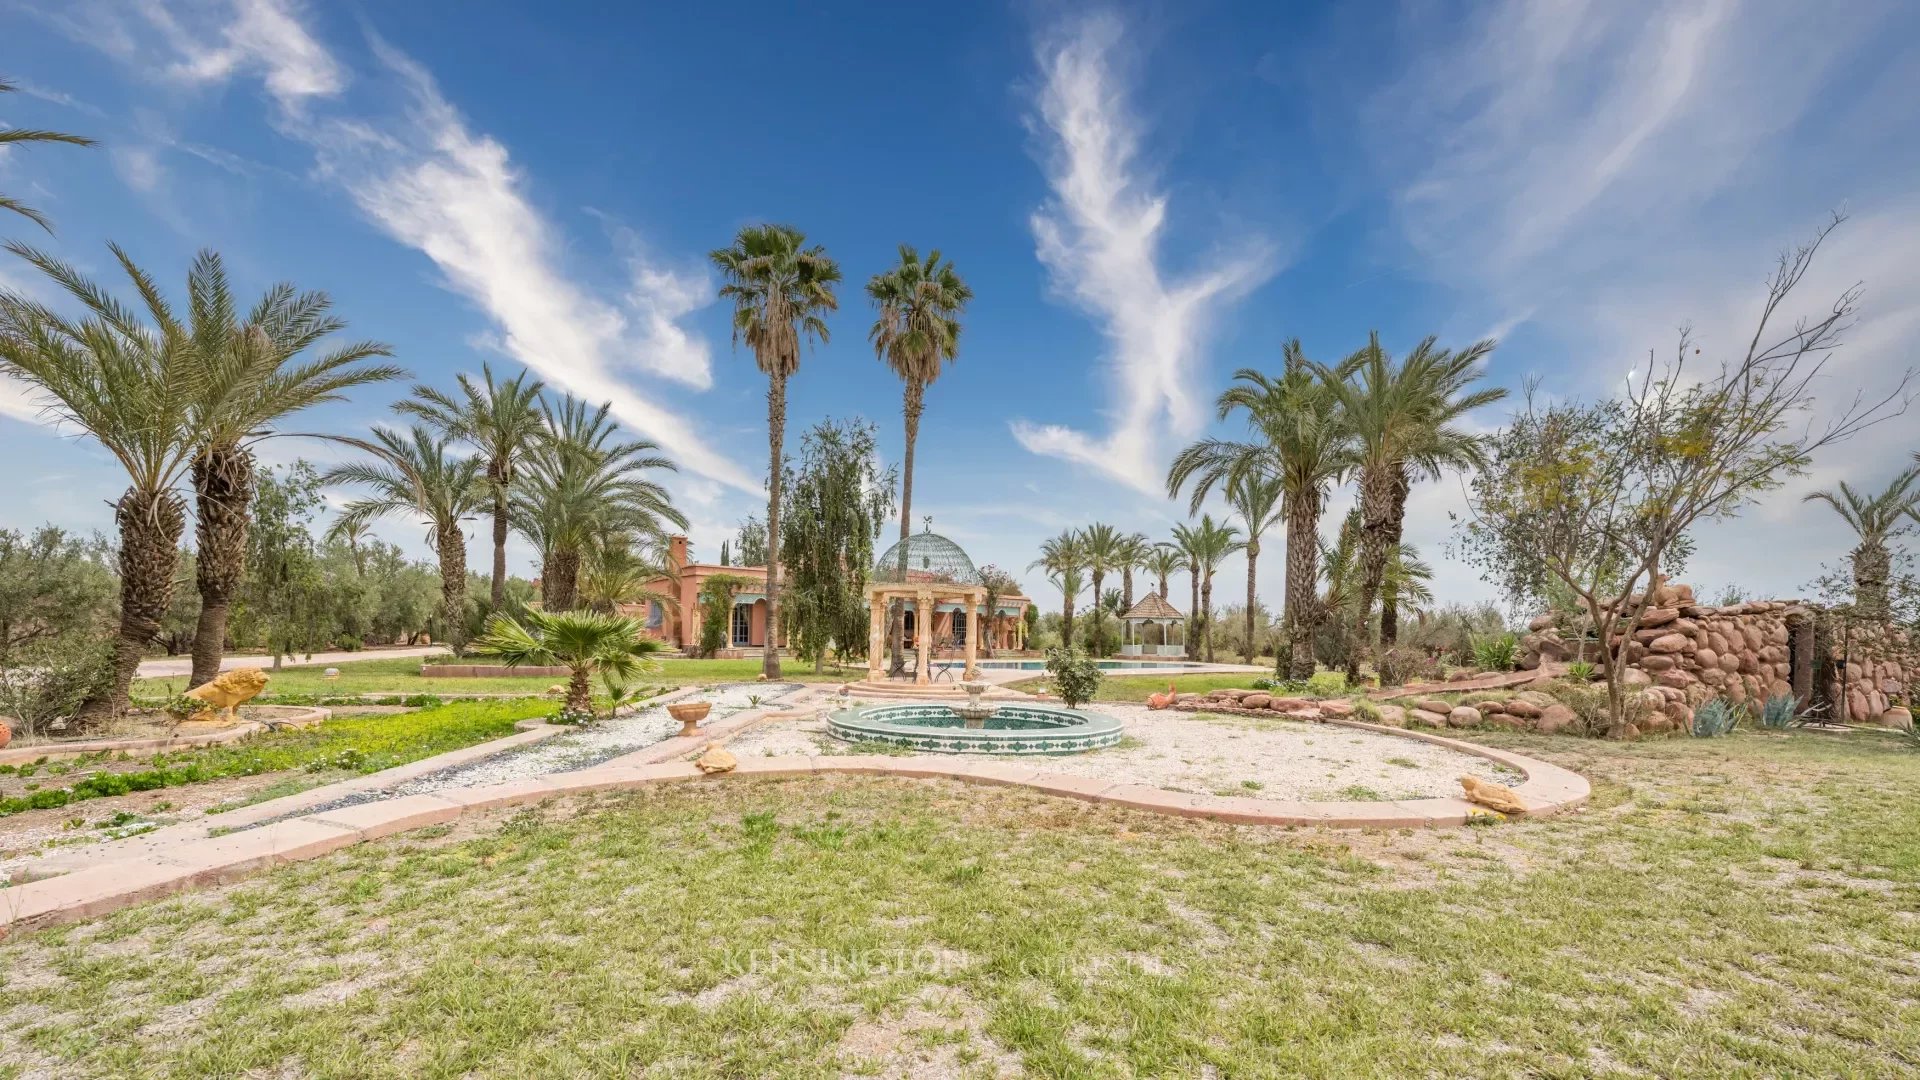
(594, 743)
(1219, 755)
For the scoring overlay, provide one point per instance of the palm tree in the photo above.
(256, 378)
(916, 330)
(1101, 544)
(1402, 418)
(1295, 435)
(780, 288)
(1211, 543)
(586, 643)
(1187, 542)
(579, 487)
(413, 474)
(129, 379)
(502, 422)
(1064, 558)
(1406, 580)
(1875, 519)
(1132, 554)
(12, 136)
(1257, 499)
(1162, 560)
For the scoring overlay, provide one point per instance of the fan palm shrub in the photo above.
(586, 643)
(129, 378)
(1876, 519)
(412, 474)
(780, 289)
(501, 421)
(256, 378)
(916, 331)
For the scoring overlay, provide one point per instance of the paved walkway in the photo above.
(183, 665)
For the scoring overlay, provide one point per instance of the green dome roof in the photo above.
(930, 558)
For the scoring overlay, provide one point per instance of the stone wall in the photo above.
(1746, 653)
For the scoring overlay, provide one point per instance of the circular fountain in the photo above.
(977, 727)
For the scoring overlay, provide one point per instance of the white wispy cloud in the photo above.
(1617, 171)
(424, 177)
(1100, 238)
(435, 185)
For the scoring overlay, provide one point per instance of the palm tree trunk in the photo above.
(913, 403)
(1163, 587)
(150, 525)
(1193, 611)
(580, 692)
(1303, 572)
(1066, 623)
(1206, 612)
(1396, 527)
(1126, 590)
(776, 439)
(561, 588)
(1376, 497)
(1253, 585)
(453, 585)
(498, 597)
(1871, 566)
(223, 487)
(1093, 636)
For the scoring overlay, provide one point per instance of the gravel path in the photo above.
(576, 750)
(1224, 755)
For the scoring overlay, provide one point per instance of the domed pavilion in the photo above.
(945, 600)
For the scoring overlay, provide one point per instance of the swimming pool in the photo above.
(1140, 666)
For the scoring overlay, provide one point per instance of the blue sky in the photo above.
(1143, 198)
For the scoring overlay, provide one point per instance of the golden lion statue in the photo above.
(227, 690)
(1492, 796)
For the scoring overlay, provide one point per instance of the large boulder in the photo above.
(1289, 704)
(1464, 716)
(1541, 622)
(1422, 718)
(1339, 708)
(1256, 701)
(1670, 643)
(1526, 710)
(1659, 616)
(1434, 705)
(1555, 718)
(1392, 715)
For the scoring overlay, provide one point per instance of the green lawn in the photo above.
(402, 676)
(361, 744)
(1735, 907)
(1138, 687)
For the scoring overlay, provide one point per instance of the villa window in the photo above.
(742, 624)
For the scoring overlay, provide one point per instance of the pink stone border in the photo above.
(173, 868)
(14, 755)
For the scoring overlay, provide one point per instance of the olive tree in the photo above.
(1598, 497)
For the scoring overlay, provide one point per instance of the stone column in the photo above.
(973, 639)
(876, 635)
(923, 638)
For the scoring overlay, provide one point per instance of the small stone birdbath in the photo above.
(975, 711)
(689, 713)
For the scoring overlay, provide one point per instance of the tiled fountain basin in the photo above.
(1012, 729)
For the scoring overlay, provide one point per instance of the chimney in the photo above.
(677, 552)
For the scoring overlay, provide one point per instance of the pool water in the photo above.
(1014, 728)
(1041, 665)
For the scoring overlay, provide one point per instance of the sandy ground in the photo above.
(1225, 755)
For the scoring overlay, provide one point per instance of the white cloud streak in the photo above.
(426, 179)
(1100, 237)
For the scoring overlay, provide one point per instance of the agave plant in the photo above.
(586, 643)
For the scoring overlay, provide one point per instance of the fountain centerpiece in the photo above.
(1016, 727)
(975, 712)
